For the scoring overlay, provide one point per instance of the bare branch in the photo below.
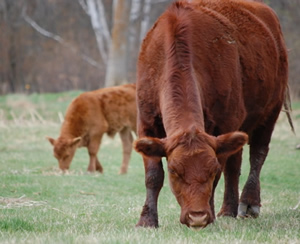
(84, 6)
(57, 38)
(136, 10)
(146, 20)
(96, 12)
(41, 30)
(160, 1)
(103, 21)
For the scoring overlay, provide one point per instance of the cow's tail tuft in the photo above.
(288, 108)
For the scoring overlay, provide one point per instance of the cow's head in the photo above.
(193, 166)
(64, 150)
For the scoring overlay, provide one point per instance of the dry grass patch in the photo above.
(20, 202)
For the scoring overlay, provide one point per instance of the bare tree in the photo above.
(136, 35)
(8, 70)
(116, 72)
(96, 10)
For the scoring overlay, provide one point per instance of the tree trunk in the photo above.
(135, 38)
(116, 72)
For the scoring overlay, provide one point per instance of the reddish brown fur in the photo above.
(109, 110)
(207, 70)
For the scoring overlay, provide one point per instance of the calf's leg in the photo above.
(93, 148)
(127, 139)
(98, 166)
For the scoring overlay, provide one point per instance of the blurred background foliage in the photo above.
(61, 45)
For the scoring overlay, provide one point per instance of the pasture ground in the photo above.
(39, 204)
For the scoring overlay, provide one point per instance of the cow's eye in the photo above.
(171, 171)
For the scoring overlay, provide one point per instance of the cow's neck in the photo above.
(181, 107)
(69, 130)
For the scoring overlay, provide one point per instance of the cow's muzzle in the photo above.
(197, 220)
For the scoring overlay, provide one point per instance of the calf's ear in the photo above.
(75, 141)
(230, 143)
(51, 140)
(150, 146)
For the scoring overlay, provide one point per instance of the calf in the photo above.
(109, 110)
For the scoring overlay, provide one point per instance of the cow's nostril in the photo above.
(198, 219)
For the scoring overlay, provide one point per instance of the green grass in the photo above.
(38, 204)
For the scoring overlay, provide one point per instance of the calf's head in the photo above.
(64, 150)
(193, 166)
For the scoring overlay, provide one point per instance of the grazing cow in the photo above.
(212, 75)
(108, 110)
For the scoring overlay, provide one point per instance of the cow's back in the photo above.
(106, 110)
(118, 105)
(261, 53)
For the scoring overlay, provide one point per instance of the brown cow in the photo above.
(108, 110)
(206, 71)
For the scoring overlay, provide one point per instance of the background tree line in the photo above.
(59, 45)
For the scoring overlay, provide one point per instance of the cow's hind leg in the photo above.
(93, 148)
(154, 178)
(250, 201)
(127, 139)
(232, 170)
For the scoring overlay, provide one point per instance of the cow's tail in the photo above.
(288, 108)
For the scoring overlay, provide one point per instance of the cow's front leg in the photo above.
(212, 202)
(231, 177)
(154, 178)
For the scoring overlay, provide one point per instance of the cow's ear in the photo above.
(75, 141)
(150, 146)
(51, 140)
(230, 143)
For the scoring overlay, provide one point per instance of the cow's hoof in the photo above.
(99, 169)
(122, 172)
(225, 214)
(146, 223)
(248, 211)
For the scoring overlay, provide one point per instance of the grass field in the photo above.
(38, 204)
